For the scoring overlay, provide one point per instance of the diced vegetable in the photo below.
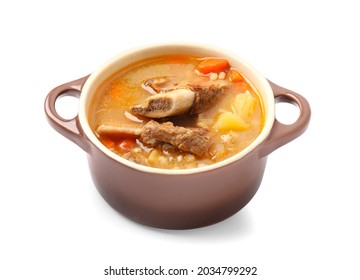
(158, 158)
(213, 65)
(154, 156)
(229, 121)
(108, 143)
(213, 76)
(126, 144)
(222, 76)
(241, 86)
(244, 105)
(235, 76)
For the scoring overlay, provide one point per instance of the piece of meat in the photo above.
(205, 97)
(195, 100)
(162, 135)
(193, 140)
(171, 103)
(160, 84)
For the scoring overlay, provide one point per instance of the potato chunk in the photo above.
(229, 121)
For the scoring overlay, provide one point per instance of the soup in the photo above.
(176, 111)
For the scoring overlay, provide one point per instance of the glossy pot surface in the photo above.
(177, 199)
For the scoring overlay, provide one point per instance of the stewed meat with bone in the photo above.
(176, 111)
(172, 100)
(154, 134)
(193, 100)
(166, 104)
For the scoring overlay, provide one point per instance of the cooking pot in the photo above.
(177, 199)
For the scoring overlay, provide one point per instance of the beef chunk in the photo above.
(194, 100)
(164, 136)
(193, 140)
(205, 97)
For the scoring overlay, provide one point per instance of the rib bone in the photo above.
(118, 130)
(195, 100)
(171, 103)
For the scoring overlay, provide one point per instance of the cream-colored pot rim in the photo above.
(128, 57)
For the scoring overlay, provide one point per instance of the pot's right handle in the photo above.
(281, 133)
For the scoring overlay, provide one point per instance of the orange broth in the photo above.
(233, 122)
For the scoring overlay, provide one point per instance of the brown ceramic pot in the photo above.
(177, 199)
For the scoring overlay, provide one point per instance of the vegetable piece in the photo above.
(158, 158)
(229, 121)
(235, 76)
(153, 157)
(241, 86)
(222, 76)
(213, 65)
(244, 105)
(108, 143)
(126, 144)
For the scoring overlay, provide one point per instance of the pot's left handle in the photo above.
(70, 128)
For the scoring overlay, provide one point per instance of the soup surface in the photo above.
(176, 112)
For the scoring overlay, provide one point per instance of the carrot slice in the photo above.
(235, 76)
(213, 65)
(108, 143)
(241, 86)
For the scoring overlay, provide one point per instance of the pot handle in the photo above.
(281, 133)
(70, 128)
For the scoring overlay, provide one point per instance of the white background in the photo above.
(304, 221)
